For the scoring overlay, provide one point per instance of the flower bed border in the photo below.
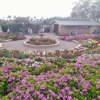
(6, 40)
(40, 46)
(1, 46)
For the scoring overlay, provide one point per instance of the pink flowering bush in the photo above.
(50, 78)
(77, 37)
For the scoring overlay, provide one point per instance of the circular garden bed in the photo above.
(41, 42)
(11, 37)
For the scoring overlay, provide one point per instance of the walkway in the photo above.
(20, 46)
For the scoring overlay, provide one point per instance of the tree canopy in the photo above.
(87, 9)
(22, 20)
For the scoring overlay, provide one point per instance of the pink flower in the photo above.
(53, 94)
(85, 90)
(31, 89)
(62, 90)
(23, 81)
(67, 88)
(44, 98)
(97, 86)
(42, 87)
(69, 98)
(18, 89)
(36, 93)
(70, 92)
(9, 80)
(41, 96)
(60, 95)
(93, 99)
(98, 97)
(55, 85)
(18, 97)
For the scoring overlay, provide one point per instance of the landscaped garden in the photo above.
(58, 75)
(41, 41)
(77, 37)
(42, 78)
(13, 37)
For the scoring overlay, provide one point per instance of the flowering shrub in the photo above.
(77, 37)
(12, 36)
(41, 41)
(52, 78)
(18, 37)
(13, 53)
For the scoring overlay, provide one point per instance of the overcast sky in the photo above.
(38, 8)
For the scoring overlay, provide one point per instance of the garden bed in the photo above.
(11, 37)
(50, 79)
(77, 37)
(41, 42)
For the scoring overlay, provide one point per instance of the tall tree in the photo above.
(34, 18)
(14, 17)
(28, 17)
(9, 17)
(22, 20)
(31, 19)
(87, 9)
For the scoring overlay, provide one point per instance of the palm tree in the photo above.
(14, 17)
(31, 19)
(34, 18)
(41, 18)
(9, 17)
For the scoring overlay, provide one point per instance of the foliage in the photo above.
(12, 36)
(87, 9)
(97, 37)
(4, 27)
(49, 20)
(77, 37)
(3, 22)
(88, 45)
(21, 20)
(50, 78)
(14, 27)
(41, 41)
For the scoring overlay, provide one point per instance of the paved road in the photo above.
(20, 46)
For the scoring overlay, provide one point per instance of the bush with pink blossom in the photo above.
(52, 78)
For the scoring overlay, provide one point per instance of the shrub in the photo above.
(97, 37)
(41, 41)
(4, 27)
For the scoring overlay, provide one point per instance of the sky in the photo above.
(37, 8)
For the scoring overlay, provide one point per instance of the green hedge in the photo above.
(4, 27)
(14, 27)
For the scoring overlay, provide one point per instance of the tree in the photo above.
(3, 22)
(14, 17)
(4, 27)
(87, 9)
(41, 19)
(28, 17)
(21, 20)
(34, 18)
(49, 20)
(31, 19)
(9, 17)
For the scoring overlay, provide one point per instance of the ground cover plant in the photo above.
(41, 41)
(12, 37)
(77, 37)
(42, 78)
